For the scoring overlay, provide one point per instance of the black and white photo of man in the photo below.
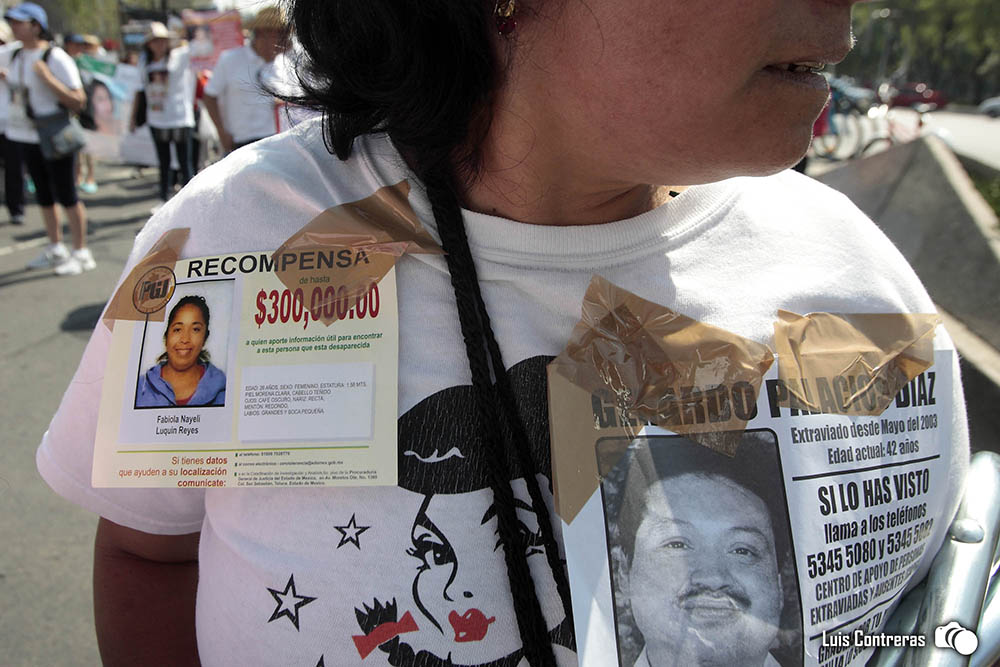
(700, 548)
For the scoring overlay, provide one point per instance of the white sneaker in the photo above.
(53, 255)
(81, 260)
(86, 259)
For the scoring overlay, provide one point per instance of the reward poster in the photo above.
(736, 520)
(236, 378)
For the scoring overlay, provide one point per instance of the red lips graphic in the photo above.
(470, 626)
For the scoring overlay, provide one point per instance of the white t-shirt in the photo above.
(26, 87)
(170, 84)
(293, 576)
(237, 80)
(5, 53)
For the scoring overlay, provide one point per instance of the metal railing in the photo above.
(962, 583)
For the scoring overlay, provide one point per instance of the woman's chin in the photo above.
(181, 367)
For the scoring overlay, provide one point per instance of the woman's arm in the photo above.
(211, 105)
(179, 59)
(144, 596)
(135, 108)
(72, 99)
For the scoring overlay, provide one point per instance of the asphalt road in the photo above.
(46, 615)
(975, 135)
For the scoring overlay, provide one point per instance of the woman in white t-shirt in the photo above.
(42, 80)
(169, 86)
(538, 141)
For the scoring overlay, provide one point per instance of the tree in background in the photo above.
(97, 17)
(953, 45)
(103, 17)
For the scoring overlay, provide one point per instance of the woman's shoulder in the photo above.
(180, 54)
(259, 195)
(213, 373)
(791, 193)
(804, 210)
(152, 389)
(57, 52)
(211, 388)
(63, 65)
(796, 221)
(153, 375)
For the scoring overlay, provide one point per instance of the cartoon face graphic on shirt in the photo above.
(461, 607)
(450, 588)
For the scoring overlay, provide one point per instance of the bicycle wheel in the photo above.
(875, 146)
(851, 135)
(825, 145)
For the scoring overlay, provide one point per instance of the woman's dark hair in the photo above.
(190, 300)
(43, 33)
(148, 52)
(425, 72)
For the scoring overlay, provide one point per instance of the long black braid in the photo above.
(423, 71)
(512, 425)
(532, 625)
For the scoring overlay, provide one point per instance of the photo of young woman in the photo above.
(183, 375)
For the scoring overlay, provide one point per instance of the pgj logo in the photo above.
(956, 637)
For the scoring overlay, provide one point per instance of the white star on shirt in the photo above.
(350, 533)
(288, 602)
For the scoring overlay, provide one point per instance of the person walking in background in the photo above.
(43, 79)
(92, 46)
(13, 166)
(239, 97)
(169, 85)
(76, 45)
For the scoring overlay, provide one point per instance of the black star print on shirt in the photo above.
(288, 602)
(350, 533)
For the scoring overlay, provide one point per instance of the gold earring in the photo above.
(503, 14)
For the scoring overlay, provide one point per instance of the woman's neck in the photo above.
(537, 169)
(524, 179)
(562, 203)
(33, 43)
(168, 372)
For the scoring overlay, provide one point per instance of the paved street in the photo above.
(975, 135)
(46, 616)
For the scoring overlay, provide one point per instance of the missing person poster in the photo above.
(727, 519)
(775, 555)
(255, 369)
(209, 33)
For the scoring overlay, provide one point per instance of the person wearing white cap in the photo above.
(169, 85)
(44, 79)
(239, 97)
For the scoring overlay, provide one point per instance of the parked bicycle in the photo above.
(892, 126)
(844, 131)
